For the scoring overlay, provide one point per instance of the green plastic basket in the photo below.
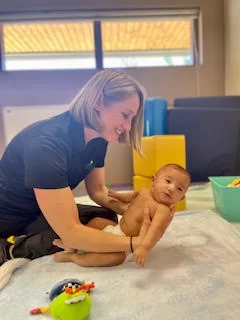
(227, 199)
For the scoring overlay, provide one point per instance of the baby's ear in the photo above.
(153, 179)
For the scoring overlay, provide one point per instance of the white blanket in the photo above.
(193, 273)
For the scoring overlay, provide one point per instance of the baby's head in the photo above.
(170, 184)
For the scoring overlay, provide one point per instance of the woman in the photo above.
(45, 161)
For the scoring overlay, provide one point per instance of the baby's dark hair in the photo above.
(175, 166)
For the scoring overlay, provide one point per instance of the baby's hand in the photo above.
(140, 255)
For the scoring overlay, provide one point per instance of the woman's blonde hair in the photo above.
(107, 87)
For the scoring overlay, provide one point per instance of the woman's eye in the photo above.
(125, 116)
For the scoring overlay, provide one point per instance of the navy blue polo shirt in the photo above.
(49, 154)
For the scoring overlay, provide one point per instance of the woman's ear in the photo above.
(99, 107)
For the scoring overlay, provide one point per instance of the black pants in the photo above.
(38, 236)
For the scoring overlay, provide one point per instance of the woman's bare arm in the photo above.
(98, 192)
(59, 208)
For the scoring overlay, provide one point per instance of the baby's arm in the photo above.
(122, 198)
(162, 217)
(91, 259)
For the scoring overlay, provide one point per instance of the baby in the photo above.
(169, 186)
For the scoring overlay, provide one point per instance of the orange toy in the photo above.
(235, 183)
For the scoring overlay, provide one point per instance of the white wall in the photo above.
(232, 47)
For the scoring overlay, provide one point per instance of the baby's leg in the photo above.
(100, 223)
(91, 259)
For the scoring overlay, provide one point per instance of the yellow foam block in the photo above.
(158, 151)
(145, 182)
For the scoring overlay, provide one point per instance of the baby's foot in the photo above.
(63, 256)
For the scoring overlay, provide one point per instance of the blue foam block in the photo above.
(155, 116)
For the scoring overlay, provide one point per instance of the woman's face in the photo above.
(117, 118)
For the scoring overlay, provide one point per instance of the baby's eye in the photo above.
(180, 189)
(168, 180)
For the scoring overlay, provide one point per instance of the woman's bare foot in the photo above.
(63, 256)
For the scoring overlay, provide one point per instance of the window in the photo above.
(49, 46)
(121, 39)
(147, 43)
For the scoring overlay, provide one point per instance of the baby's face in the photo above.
(170, 186)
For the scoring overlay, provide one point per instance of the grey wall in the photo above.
(232, 48)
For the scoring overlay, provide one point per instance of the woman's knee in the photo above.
(88, 213)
